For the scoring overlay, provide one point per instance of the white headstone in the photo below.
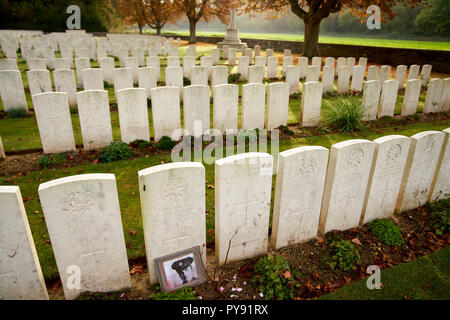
(413, 72)
(389, 162)
(231, 56)
(371, 99)
(8, 64)
(133, 114)
(65, 82)
(344, 74)
(123, 79)
(107, 66)
(166, 112)
(411, 98)
(445, 99)
(196, 107)
(95, 119)
(253, 106)
(440, 189)
(388, 98)
(20, 272)
(199, 76)
(328, 79)
(174, 78)
(39, 81)
(54, 122)
(215, 54)
(132, 64)
(155, 62)
(400, 75)
(419, 172)
(173, 61)
(147, 79)
(83, 219)
(188, 63)
(243, 67)
(372, 73)
(312, 73)
(243, 191)
(80, 65)
(11, 90)
(293, 79)
(277, 105)
(62, 63)
(272, 67)
(311, 104)
(346, 184)
(357, 78)
(173, 210)
(298, 195)
(93, 79)
(37, 64)
(425, 73)
(303, 64)
(434, 96)
(225, 109)
(219, 76)
(256, 74)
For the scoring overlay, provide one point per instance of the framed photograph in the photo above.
(181, 269)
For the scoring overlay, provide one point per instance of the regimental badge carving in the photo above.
(355, 158)
(79, 202)
(429, 147)
(174, 189)
(393, 153)
(308, 165)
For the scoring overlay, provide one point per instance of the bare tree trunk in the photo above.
(192, 36)
(158, 31)
(140, 29)
(311, 44)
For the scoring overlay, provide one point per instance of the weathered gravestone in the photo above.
(107, 66)
(256, 74)
(419, 171)
(400, 75)
(95, 119)
(147, 79)
(293, 79)
(225, 109)
(54, 122)
(80, 65)
(188, 63)
(277, 105)
(11, 90)
(298, 195)
(65, 82)
(123, 79)
(370, 100)
(39, 81)
(243, 67)
(388, 98)
(8, 64)
(243, 191)
(346, 184)
(93, 79)
(344, 74)
(174, 78)
(20, 272)
(253, 105)
(133, 114)
(196, 107)
(434, 96)
(372, 73)
(155, 62)
(411, 97)
(83, 219)
(389, 162)
(311, 104)
(199, 75)
(272, 67)
(166, 112)
(440, 188)
(173, 210)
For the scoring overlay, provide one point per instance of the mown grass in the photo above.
(426, 278)
(359, 41)
(127, 181)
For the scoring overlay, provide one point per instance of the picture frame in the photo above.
(181, 269)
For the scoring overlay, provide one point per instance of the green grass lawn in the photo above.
(425, 278)
(375, 42)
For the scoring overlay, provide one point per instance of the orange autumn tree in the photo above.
(312, 12)
(206, 10)
(160, 12)
(132, 12)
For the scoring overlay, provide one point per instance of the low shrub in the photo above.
(345, 255)
(117, 150)
(45, 161)
(186, 81)
(20, 112)
(184, 293)
(166, 143)
(274, 277)
(440, 216)
(234, 77)
(346, 115)
(387, 231)
(141, 144)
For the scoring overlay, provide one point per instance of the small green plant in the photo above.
(166, 143)
(234, 77)
(440, 215)
(345, 255)
(387, 231)
(186, 81)
(141, 144)
(59, 158)
(274, 277)
(117, 150)
(149, 102)
(20, 112)
(286, 130)
(107, 85)
(45, 161)
(184, 293)
(346, 115)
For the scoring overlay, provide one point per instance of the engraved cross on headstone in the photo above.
(91, 256)
(179, 238)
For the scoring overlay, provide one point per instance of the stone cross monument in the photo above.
(232, 34)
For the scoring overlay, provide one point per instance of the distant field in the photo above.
(393, 43)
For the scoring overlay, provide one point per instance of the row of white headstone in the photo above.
(316, 191)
